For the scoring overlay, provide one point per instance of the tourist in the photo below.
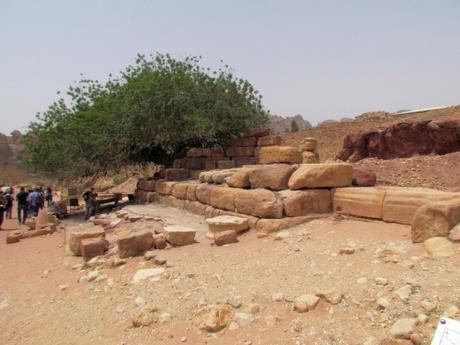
(23, 205)
(35, 202)
(2, 207)
(8, 204)
(90, 200)
(49, 196)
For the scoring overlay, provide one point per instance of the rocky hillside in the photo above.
(280, 124)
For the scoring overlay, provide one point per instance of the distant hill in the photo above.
(279, 124)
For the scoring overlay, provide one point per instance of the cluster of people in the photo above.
(28, 203)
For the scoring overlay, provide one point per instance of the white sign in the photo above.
(447, 332)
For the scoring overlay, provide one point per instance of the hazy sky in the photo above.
(322, 59)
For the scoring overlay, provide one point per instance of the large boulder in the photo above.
(203, 193)
(274, 177)
(134, 243)
(321, 176)
(77, 234)
(279, 154)
(179, 235)
(223, 198)
(302, 202)
(401, 203)
(92, 247)
(219, 177)
(240, 179)
(179, 190)
(259, 202)
(363, 177)
(359, 201)
(435, 220)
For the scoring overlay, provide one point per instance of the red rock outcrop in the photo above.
(403, 140)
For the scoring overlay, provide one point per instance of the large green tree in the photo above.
(154, 109)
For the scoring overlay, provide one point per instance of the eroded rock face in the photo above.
(321, 176)
(403, 140)
(259, 203)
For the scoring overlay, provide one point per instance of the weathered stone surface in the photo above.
(225, 237)
(75, 237)
(242, 161)
(305, 303)
(435, 220)
(333, 297)
(145, 318)
(191, 192)
(269, 140)
(223, 198)
(219, 177)
(309, 157)
(225, 164)
(179, 235)
(171, 201)
(274, 177)
(359, 201)
(146, 185)
(195, 152)
(321, 175)
(216, 153)
(244, 141)
(252, 220)
(363, 177)
(267, 226)
(403, 328)
(225, 223)
(215, 317)
(258, 132)
(134, 243)
(303, 202)
(240, 178)
(403, 140)
(179, 190)
(259, 202)
(308, 144)
(210, 164)
(279, 154)
(195, 163)
(14, 237)
(39, 232)
(45, 218)
(401, 203)
(164, 187)
(203, 193)
(242, 151)
(92, 247)
(195, 207)
(206, 176)
(145, 197)
(159, 241)
(148, 273)
(172, 174)
(439, 247)
(454, 233)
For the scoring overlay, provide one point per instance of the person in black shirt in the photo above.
(2, 208)
(23, 206)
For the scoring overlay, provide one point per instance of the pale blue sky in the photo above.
(322, 59)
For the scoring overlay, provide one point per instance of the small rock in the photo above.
(183, 339)
(254, 308)
(404, 293)
(439, 247)
(362, 280)
(160, 261)
(451, 311)
(164, 317)
(145, 318)
(305, 303)
(382, 303)
(381, 281)
(422, 318)
(235, 302)
(346, 251)
(282, 235)
(243, 319)
(296, 326)
(272, 320)
(427, 305)
(147, 273)
(233, 326)
(140, 301)
(63, 287)
(332, 297)
(277, 297)
(403, 328)
(149, 255)
(92, 275)
(454, 233)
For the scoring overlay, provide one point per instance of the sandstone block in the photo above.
(309, 157)
(252, 220)
(239, 179)
(269, 140)
(196, 152)
(195, 207)
(240, 151)
(206, 176)
(268, 226)
(91, 247)
(274, 177)
(159, 241)
(223, 198)
(172, 174)
(435, 220)
(179, 190)
(134, 243)
(241, 161)
(225, 237)
(195, 173)
(401, 203)
(244, 142)
(145, 197)
(146, 185)
(279, 154)
(171, 201)
(203, 193)
(225, 223)
(321, 176)
(259, 202)
(195, 163)
(44, 218)
(403, 328)
(359, 201)
(191, 192)
(309, 144)
(258, 132)
(179, 235)
(219, 176)
(164, 187)
(303, 202)
(216, 153)
(76, 236)
(305, 303)
(179, 163)
(363, 177)
(225, 164)
(210, 164)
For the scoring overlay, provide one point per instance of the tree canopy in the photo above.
(153, 109)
